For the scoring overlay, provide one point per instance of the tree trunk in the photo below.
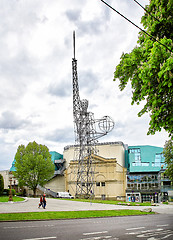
(34, 191)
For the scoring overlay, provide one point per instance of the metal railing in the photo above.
(47, 191)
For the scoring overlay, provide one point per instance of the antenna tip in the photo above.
(74, 43)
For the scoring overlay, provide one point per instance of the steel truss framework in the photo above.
(87, 131)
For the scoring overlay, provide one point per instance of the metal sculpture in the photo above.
(87, 131)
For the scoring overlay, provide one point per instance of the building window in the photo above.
(103, 184)
(143, 164)
(134, 150)
(98, 184)
(137, 156)
(103, 197)
(159, 159)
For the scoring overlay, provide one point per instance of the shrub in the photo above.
(13, 191)
(7, 191)
(1, 184)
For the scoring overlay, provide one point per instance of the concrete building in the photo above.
(5, 175)
(144, 165)
(109, 168)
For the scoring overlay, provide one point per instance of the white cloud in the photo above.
(36, 72)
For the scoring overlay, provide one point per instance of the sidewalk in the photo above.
(31, 205)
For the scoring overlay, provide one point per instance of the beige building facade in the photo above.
(109, 178)
(109, 168)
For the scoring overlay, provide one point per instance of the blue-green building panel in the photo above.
(54, 156)
(144, 159)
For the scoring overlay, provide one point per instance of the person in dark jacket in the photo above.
(44, 201)
(41, 202)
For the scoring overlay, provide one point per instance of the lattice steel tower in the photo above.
(86, 135)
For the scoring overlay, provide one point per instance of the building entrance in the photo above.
(149, 197)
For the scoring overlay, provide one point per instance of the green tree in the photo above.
(1, 184)
(168, 154)
(33, 165)
(149, 67)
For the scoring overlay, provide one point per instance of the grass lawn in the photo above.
(15, 199)
(68, 215)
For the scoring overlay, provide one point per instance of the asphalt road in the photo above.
(149, 227)
(31, 205)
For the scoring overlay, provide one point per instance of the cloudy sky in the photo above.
(36, 51)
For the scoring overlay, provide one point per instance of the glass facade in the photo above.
(143, 182)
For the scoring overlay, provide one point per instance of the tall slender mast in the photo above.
(76, 97)
(84, 181)
(86, 137)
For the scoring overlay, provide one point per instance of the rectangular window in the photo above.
(103, 197)
(98, 184)
(134, 150)
(145, 164)
(158, 160)
(103, 184)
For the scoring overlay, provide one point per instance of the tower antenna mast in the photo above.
(86, 137)
(74, 43)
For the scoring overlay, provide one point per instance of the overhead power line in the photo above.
(136, 25)
(146, 10)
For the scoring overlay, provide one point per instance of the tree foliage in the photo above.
(168, 154)
(149, 67)
(33, 165)
(1, 184)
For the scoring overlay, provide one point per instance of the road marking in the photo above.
(167, 236)
(144, 231)
(42, 238)
(152, 238)
(28, 227)
(92, 233)
(97, 238)
(152, 234)
(165, 225)
(129, 229)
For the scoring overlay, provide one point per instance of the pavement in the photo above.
(31, 205)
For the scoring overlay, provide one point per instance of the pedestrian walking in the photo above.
(41, 202)
(44, 201)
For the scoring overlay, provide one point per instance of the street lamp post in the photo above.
(10, 199)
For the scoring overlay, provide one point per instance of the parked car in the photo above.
(64, 195)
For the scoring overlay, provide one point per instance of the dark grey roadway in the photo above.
(31, 205)
(149, 227)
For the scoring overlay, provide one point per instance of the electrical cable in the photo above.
(146, 11)
(136, 25)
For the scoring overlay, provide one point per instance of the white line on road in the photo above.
(164, 225)
(152, 234)
(146, 231)
(97, 238)
(128, 229)
(167, 236)
(92, 233)
(42, 238)
(28, 227)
